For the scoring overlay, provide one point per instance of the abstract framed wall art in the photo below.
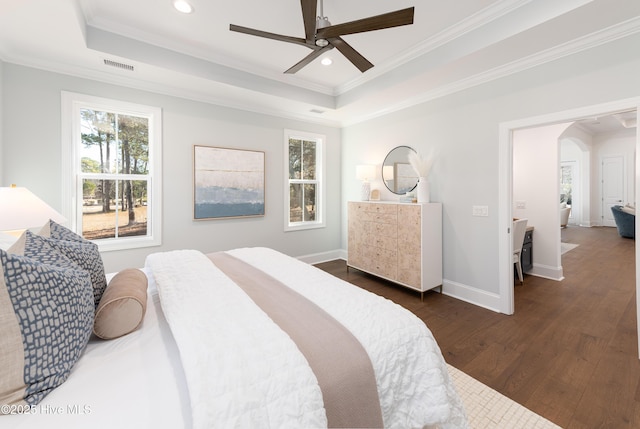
(227, 183)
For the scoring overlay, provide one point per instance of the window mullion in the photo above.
(112, 176)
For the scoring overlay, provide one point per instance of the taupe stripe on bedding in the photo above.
(340, 363)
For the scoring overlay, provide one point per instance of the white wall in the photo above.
(463, 128)
(32, 154)
(576, 146)
(536, 175)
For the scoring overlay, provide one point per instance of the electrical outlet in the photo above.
(480, 211)
(521, 204)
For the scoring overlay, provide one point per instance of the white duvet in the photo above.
(132, 382)
(243, 371)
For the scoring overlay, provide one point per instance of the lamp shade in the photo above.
(365, 172)
(21, 209)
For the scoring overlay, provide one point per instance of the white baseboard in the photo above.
(547, 272)
(317, 258)
(481, 298)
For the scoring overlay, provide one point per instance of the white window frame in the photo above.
(72, 104)
(320, 180)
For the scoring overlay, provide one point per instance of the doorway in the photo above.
(536, 192)
(505, 206)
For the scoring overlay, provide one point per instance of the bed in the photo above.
(210, 353)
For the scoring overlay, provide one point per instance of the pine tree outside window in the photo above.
(114, 178)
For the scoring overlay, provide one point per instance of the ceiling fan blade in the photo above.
(309, 8)
(267, 35)
(351, 54)
(306, 60)
(378, 22)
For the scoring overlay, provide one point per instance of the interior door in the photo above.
(612, 186)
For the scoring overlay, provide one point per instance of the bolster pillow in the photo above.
(122, 307)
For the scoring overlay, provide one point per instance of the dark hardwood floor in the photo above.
(570, 351)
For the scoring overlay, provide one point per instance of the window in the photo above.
(304, 156)
(566, 182)
(113, 182)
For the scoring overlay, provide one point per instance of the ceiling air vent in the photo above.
(316, 111)
(118, 65)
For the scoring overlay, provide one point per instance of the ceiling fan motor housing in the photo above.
(322, 22)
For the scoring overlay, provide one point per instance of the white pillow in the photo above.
(628, 209)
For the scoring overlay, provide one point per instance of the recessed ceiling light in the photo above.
(182, 6)
(326, 61)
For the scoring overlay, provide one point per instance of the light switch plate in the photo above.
(480, 211)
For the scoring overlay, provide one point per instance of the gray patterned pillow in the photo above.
(59, 232)
(46, 318)
(82, 252)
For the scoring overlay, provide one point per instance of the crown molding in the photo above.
(610, 34)
(469, 24)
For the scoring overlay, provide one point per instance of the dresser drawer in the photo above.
(380, 208)
(380, 229)
(381, 241)
(390, 218)
(382, 262)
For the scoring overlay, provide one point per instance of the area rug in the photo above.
(565, 247)
(486, 408)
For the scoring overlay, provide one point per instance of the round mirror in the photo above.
(398, 175)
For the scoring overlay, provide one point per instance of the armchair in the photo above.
(625, 219)
(564, 215)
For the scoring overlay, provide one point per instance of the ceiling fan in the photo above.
(321, 36)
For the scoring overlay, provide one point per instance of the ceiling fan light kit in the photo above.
(321, 36)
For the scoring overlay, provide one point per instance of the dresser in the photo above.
(400, 242)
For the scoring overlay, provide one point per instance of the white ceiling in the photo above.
(451, 46)
(608, 124)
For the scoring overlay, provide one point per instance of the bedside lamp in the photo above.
(20, 209)
(365, 173)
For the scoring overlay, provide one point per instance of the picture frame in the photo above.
(228, 183)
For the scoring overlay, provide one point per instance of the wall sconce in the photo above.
(365, 173)
(21, 210)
